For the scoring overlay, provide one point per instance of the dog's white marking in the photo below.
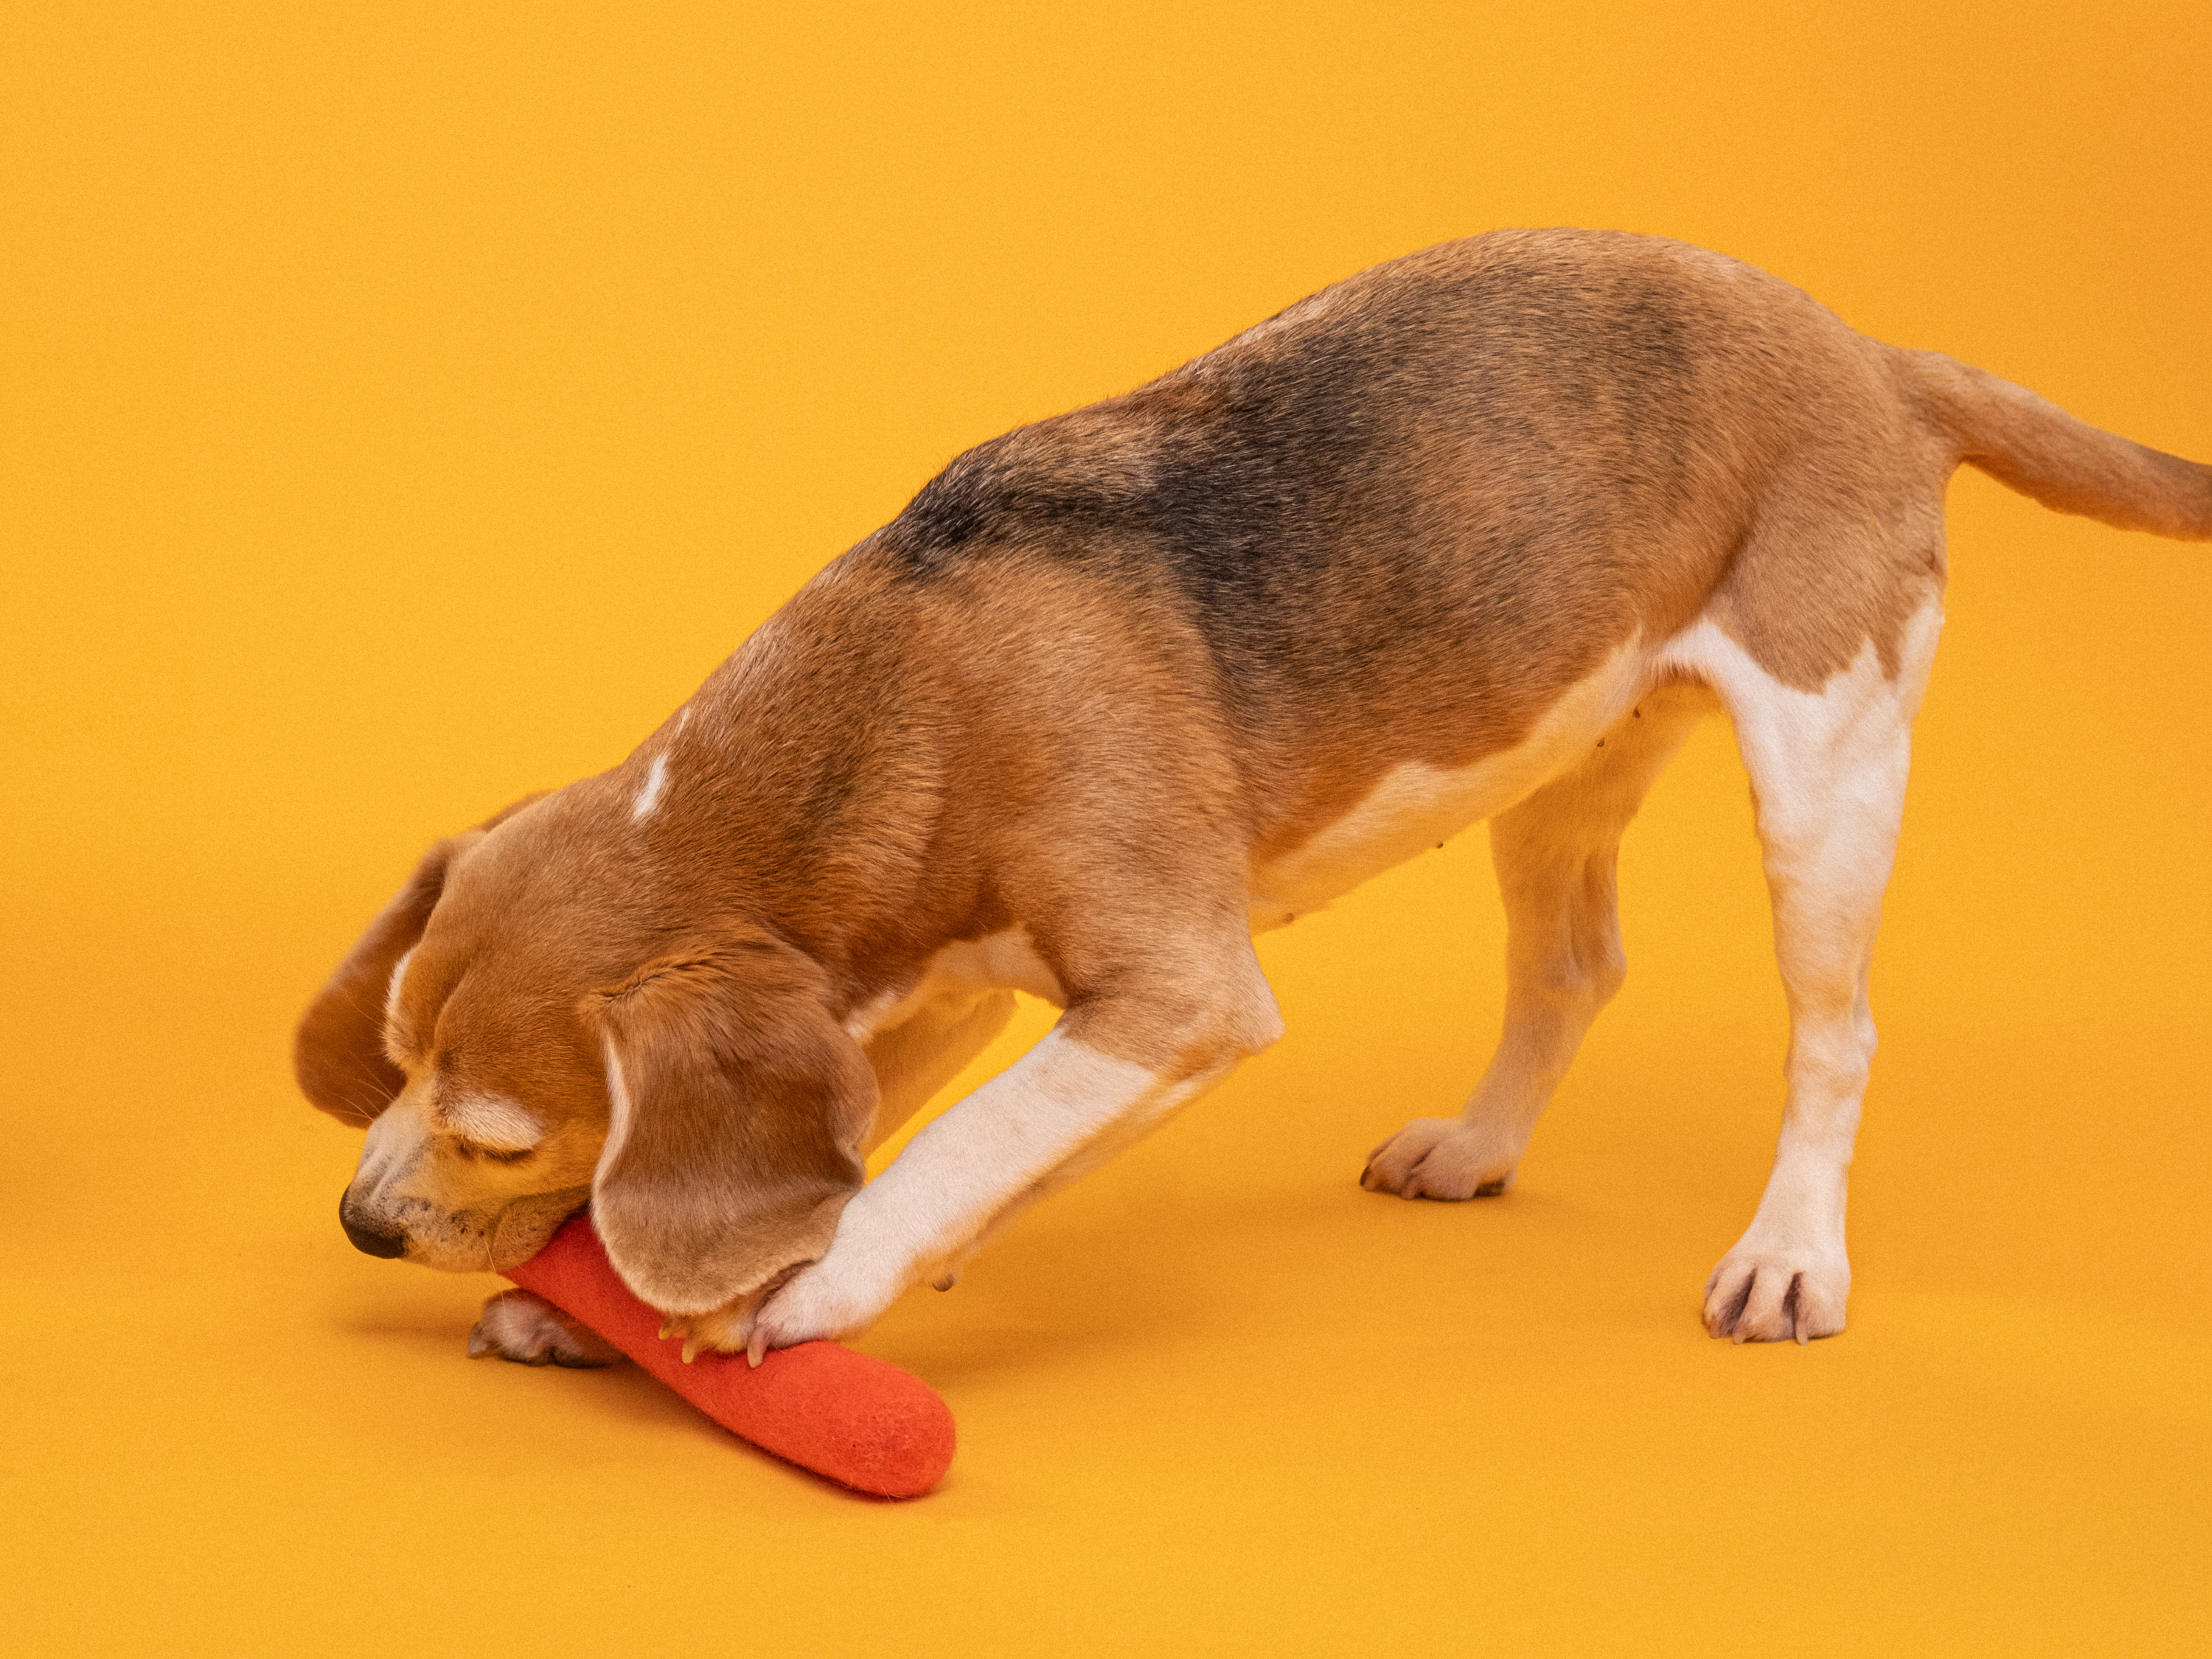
(395, 1144)
(1005, 960)
(1416, 806)
(618, 1113)
(1056, 1112)
(395, 1022)
(493, 1121)
(656, 785)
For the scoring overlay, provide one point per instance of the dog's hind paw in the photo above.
(1777, 1296)
(531, 1331)
(1445, 1157)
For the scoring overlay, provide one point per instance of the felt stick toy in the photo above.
(859, 1420)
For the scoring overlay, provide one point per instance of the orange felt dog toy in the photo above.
(861, 1421)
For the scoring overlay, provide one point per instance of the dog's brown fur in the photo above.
(1103, 669)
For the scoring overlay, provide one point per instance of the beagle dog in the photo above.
(1479, 534)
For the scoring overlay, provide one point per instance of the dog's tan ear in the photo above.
(737, 1107)
(337, 1052)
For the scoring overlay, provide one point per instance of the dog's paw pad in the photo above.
(531, 1331)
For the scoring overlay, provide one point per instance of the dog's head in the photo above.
(534, 1022)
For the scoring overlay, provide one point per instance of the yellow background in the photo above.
(407, 405)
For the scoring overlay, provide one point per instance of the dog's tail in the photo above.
(2040, 450)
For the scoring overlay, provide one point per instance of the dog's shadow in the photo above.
(424, 1321)
(1065, 1286)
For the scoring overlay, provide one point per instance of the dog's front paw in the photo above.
(816, 1301)
(1443, 1157)
(531, 1331)
(821, 1302)
(1778, 1294)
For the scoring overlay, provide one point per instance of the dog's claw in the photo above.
(1810, 1307)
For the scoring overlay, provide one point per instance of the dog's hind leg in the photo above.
(1828, 773)
(1555, 855)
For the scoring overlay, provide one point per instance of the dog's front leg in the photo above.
(526, 1329)
(1068, 1105)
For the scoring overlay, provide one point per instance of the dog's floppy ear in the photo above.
(737, 1107)
(337, 1054)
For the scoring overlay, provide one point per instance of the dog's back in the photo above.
(1430, 498)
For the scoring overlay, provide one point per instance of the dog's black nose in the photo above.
(368, 1240)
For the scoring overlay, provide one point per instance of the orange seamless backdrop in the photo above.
(406, 406)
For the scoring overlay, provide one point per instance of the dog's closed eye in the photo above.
(490, 1127)
(469, 1149)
